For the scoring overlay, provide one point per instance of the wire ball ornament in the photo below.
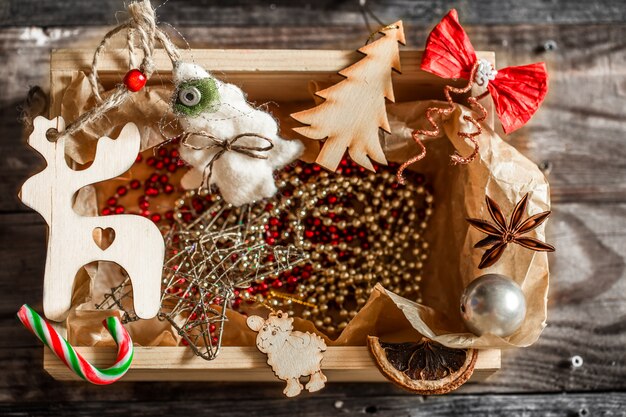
(221, 251)
(214, 251)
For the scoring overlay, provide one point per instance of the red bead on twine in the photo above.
(135, 80)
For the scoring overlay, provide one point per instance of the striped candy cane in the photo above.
(72, 359)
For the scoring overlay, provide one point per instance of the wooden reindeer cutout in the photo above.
(137, 244)
(354, 109)
(291, 354)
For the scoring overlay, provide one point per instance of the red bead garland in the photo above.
(333, 224)
(164, 163)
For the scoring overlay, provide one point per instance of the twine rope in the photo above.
(226, 145)
(141, 25)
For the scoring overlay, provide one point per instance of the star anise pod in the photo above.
(501, 234)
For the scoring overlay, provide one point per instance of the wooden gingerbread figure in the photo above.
(291, 354)
(137, 244)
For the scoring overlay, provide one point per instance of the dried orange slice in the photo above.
(425, 367)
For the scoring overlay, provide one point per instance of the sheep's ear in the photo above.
(255, 323)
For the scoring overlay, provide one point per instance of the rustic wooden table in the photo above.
(578, 137)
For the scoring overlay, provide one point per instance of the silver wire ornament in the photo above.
(213, 252)
(120, 298)
(220, 251)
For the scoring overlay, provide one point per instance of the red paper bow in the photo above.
(517, 92)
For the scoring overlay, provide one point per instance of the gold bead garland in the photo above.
(353, 229)
(359, 229)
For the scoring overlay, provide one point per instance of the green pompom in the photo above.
(196, 96)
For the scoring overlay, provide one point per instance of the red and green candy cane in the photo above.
(72, 359)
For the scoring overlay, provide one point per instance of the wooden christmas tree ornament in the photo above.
(354, 109)
(291, 354)
(73, 240)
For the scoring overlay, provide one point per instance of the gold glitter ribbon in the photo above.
(276, 294)
(383, 29)
(444, 112)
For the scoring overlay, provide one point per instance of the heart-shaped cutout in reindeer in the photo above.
(103, 237)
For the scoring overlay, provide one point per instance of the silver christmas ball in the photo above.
(493, 303)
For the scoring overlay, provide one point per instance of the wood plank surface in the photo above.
(243, 13)
(587, 309)
(362, 403)
(577, 134)
(578, 137)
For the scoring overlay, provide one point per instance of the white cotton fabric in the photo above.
(484, 73)
(240, 179)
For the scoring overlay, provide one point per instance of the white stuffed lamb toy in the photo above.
(291, 354)
(208, 105)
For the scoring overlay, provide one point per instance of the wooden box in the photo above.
(282, 76)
